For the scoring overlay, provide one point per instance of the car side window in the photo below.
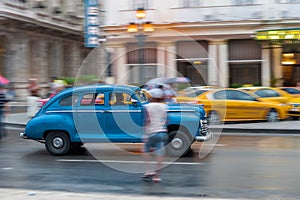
(99, 100)
(87, 99)
(120, 98)
(117, 98)
(220, 95)
(69, 100)
(92, 99)
(267, 93)
(239, 95)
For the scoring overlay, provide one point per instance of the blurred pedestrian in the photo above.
(33, 98)
(11, 93)
(155, 133)
(3, 109)
(33, 87)
(51, 84)
(58, 86)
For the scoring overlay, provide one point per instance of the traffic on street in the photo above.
(143, 99)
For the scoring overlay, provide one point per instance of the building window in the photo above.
(243, 2)
(191, 3)
(137, 4)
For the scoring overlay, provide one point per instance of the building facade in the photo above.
(211, 42)
(40, 39)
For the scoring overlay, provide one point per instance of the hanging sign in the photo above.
(91, 23)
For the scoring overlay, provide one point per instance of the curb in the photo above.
(274, 131)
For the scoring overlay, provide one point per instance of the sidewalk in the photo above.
(288, 126)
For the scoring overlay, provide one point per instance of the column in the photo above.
(101, 62)
(212, 63)
(120, 71)
(223, 65)
(172, 63)
(218, 68)
(276, 65)
(43, 60)
(166, 59)
(266, 66)
(57, 56)
(21, 65)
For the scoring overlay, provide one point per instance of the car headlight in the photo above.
(283, 104)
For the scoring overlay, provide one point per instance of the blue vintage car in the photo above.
(110, 113)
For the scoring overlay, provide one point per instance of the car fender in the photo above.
(189, 120)
(39, 126)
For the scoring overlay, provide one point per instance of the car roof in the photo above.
(101, 86)
(91, 88)
(255, 87)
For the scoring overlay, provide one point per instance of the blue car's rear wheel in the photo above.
(57, 143)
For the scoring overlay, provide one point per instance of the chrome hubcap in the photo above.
(177, 143)
(57, 142)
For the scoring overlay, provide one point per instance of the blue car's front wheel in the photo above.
(57, 143)
(179, 144)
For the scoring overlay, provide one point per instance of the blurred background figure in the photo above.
(33, 87)
(3, 108)
(11, 93)
(57, 86)
(51, 84)
(33, 98)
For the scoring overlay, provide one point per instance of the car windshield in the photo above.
(141, 96)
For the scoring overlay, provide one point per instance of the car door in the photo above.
(91, 119)
(233, 105)
(125, 118)
(247, 107)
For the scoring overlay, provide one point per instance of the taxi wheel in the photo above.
(272, 116)
(57, 143)
(295, 118)
(213, 118)
(179, 144)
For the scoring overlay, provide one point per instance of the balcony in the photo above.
(39, 11)
(218, 13)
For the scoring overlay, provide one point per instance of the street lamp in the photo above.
(141, 28)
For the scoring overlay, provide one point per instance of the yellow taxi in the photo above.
(235, 105)
(277, 95)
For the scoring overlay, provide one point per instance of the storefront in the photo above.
(245, 62)
(288, 52)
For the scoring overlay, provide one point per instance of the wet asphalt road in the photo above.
(256, 167)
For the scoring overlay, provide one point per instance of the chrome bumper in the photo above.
(204, 138)
(23, 136)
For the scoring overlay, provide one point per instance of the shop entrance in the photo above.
(290, 60)
(196, 73)
(291, 75)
